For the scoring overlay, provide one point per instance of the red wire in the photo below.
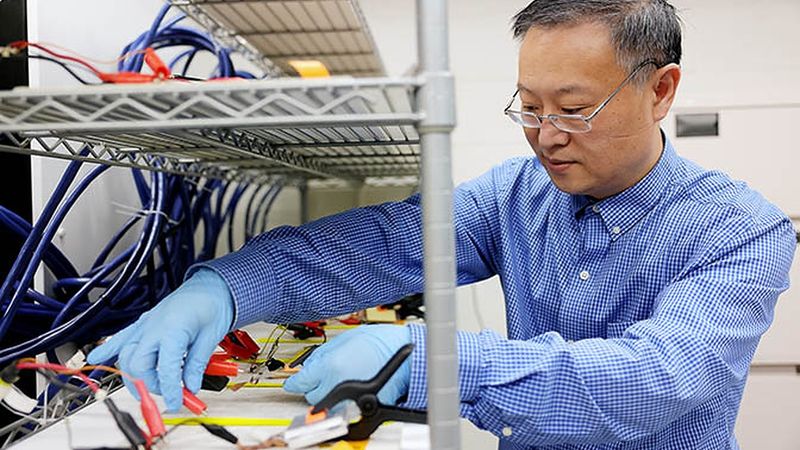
(22, 44)
(60, 369)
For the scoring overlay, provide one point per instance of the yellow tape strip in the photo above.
(309, 68)
(229, 421)
(341, 327)
(346, 445)
(290, 341)
(256, 385)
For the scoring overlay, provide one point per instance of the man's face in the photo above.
(571, 70)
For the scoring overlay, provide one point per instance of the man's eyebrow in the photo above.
(563, 90)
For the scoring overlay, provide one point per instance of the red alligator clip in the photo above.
(238, 344)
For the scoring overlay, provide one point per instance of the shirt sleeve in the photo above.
(698, 342)
(357, 259)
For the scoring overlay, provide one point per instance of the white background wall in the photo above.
(741, 60)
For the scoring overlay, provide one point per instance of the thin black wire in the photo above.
(65, 66)
(54, 380)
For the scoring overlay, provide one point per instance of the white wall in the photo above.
(741, 59)
(99, 29)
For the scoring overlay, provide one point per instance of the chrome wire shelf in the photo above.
(273, 32)
(64, 404)
(238, 130)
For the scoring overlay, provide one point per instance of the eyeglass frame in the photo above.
(586, 119)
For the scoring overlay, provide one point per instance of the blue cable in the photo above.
(133, 267)
(28, 247)
(133, 280)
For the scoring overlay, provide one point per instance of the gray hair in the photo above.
(641, 30)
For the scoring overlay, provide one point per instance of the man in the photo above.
(637, 284)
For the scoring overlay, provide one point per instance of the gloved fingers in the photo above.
(114, 345)
(316, 395)
(309, 377)
(335, 343)
(141, 361)
(124, 355)
(197, 359)
(390, 392)
(170, 361)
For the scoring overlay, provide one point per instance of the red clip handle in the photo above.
(240, 345)
(126, 77)
(155, 64)
(150, 413)
(192, 403)
(222, 368)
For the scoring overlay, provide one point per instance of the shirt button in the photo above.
(596, 208)
(584, 275)
(507, 431)
(616, 230)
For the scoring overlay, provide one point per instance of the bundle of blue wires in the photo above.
(174, 209)
(172, 35)
(81, 307)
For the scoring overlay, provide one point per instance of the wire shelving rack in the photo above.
(338, 128)
(273, 32)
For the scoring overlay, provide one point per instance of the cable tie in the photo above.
(101, 395)
(203, 188)
(131, 211)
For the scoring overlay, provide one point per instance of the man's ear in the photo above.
(665, 85)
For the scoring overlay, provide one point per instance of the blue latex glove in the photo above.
(356, 354)
(190, 321)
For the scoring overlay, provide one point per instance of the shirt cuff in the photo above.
(469, 365)
(246, 284)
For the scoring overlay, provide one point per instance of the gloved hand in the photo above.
(356, 354)
(190, 321)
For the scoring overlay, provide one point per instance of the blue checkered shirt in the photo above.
(631, 321)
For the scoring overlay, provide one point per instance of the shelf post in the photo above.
(436, 99)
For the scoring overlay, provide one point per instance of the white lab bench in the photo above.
(93, 426)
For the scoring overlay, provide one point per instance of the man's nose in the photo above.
(550, 136)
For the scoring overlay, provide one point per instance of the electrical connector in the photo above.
(155, 64)
(192, 403)
(10, 373)
(9, 51)
(127, 424)
(274, 364)
(214, 383)
(8, 376)
(150, 413)
(126, 77)
(302, 356)
(222, 368)
(239, 344)
(220, 432)
(101, 395)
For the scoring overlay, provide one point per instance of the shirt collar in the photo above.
(622, 211)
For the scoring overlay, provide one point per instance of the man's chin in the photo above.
(569, 188)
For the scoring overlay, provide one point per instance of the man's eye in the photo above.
(572, 111)
(533, 109)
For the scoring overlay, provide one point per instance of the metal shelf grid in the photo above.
(64, 404)
(238, 130)
(331, 31)
(317, 129)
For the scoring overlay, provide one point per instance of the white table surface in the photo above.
(94, 427)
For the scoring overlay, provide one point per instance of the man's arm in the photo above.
(699, 341)
(332, 266)
(357, 259)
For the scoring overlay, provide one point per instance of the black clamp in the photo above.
(365, 394)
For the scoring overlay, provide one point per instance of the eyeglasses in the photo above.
(571, 123)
